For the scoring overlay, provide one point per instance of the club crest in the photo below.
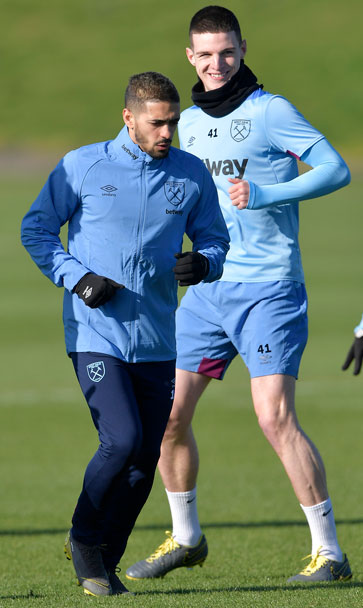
(96, 371)
(174, 192)
(240, 129)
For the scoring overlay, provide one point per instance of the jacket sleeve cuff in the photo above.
(359, 329)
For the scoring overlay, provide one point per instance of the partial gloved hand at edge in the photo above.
(191, 268)
(355, 352)
(95, 290)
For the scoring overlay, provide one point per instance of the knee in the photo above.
(277, 425)
(119, 450)
(269, 423)
(177, 427)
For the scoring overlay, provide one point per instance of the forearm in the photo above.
(359, 327)
(41, 226)
(47, 251)
(216, 255)
(329, 173)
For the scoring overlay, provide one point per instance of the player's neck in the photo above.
(224, 100)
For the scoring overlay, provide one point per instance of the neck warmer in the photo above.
(222, 101)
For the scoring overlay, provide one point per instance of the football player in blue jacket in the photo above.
(128, 202)
(250, 141)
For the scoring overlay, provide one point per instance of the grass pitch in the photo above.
(63, 64)
(255, 528)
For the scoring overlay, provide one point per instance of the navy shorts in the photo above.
(266, 323)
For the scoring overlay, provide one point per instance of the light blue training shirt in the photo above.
(260, 142)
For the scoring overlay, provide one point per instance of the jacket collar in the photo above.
(123, 146)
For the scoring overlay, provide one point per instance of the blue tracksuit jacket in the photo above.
(127, 214)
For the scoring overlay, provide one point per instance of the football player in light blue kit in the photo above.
(249, 140)
(356, 350)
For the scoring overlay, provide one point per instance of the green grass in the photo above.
(65, 63)
(255, 528)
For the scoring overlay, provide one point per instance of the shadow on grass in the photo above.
(28, 532)
(27, 596)
(205, 526)
(239, 589)
(250, 524)
(252, 588)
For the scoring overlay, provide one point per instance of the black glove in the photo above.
(355, 352)
(95, 290)
(190, 268)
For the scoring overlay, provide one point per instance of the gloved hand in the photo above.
(95, 290)
(355, 352)
(191, 268)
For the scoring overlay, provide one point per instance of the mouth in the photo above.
(218, 77)
(161, 149)
(163, 145)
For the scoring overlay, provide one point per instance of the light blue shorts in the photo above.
(266, 323)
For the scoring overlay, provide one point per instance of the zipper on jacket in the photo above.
(139, 243)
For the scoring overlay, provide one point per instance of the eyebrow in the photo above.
(229, 48)
(162, 121)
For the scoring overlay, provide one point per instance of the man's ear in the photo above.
(128, 117)
(190, 55)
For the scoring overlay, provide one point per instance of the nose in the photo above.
(216, 61)
(167, 131)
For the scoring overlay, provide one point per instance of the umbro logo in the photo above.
(108, 188)
(191, 141)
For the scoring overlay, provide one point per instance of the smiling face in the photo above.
(216, 57)
(152, 126)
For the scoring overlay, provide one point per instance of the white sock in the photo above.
(323, 532)
(183, 507)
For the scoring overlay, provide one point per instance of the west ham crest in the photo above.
(240, 129)
(96, 371)
(174, 192)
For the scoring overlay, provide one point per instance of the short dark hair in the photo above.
(215, 19)
(149, 86)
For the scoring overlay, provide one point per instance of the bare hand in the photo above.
(239, 193)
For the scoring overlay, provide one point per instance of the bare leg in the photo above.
(273, 398)
(274, 402)
(179, 460)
